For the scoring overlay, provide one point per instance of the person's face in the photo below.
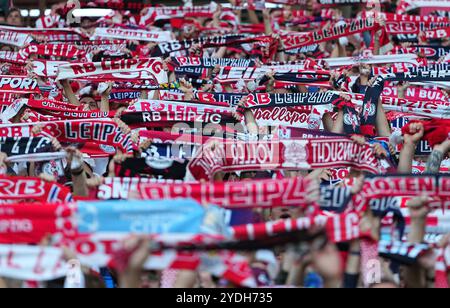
(286, 213)
(14, 19)
(87, 24)
(90, 102)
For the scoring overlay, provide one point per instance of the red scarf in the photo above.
(115, 70)
(100, 131)
(436, 131)
(339, 227)
(56, 50)
(29, 223)
(29, 188)
(18, 84)
(417, 94)
(297, 40)
(285, 154)
(121, 188)
(263, 193)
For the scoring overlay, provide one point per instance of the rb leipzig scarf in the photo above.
(131, 34)
(15, 131)
(401, 186)
(116, 69)
(414, 27)
(265, 100)
(125, 96)
(339, 227)
(50, 105)
(14, 38)
(297, 40)
(152, 112)
(440, 73)
(13, 146)
(284, 154)
(28, 188)
(233, 74)
(63, 111)
(429, 51)
(416, 94)
(46, 68)
(175, 151)
(56, 50)
(211, 62)
(156, 118)
(106, 45)
(208, 42)
(174, 106)
(264, 193)
(131, 5)
(11, 56)
(406, 57)
(100, 131)
(232, 99)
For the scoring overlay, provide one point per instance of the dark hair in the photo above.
(12, 10)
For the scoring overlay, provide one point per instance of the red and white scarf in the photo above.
(417, 94)
(29, 188)
(122, 188)
(81, 131)
(263, 193)
(284, 154)
(128, 69)
(14, 38)
(47, 68)
(56, 50)
(297, 40)
(18, 84)
(339, 227)
(131, 34)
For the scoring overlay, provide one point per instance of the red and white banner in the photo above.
(32, 189)
(131, 34)
(297, 40)
(339, 227)
(47, 68)
(14, 38)
(30, 223)
(178, 107)
(123, 188)
(129, 69)
(11, 56)
(416, 94)
(285, 154)
(32, 262)
(262, 193)
(56, 50)
(371, 60)
(18, 84)
(101, 131)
